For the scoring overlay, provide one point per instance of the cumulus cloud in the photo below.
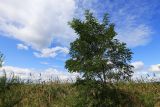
(37, 23)
(138, 65)
(51, 52)
(34, 74)
(155, 68)
(143, 72)
(139, 70)
(22, 47)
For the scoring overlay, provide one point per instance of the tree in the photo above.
(96, 53)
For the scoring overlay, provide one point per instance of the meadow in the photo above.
(15, 92)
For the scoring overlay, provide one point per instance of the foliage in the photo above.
(96, 53)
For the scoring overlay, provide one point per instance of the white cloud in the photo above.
(135, 35)
(139, 70)
(138, 65)
(44, 63)
(22, 47)
(37, 23)
(155, 68)
(34, 74)
(51, 52)
(142, 72)
(131, 25)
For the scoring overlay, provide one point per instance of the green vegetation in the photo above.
(16, 93)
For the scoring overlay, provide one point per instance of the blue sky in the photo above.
(35, 36)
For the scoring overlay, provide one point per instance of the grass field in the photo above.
(16, 93)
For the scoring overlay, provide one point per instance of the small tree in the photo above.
(96, 53)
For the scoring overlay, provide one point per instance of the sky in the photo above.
(35, 35)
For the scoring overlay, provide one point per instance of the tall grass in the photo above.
(14, 92)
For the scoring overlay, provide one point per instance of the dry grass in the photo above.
(55, 94)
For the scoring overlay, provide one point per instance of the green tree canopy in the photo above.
(96, 53)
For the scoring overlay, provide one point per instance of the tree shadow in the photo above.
(97, 94)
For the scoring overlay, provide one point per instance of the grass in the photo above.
(17, 93)
(148, 93)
